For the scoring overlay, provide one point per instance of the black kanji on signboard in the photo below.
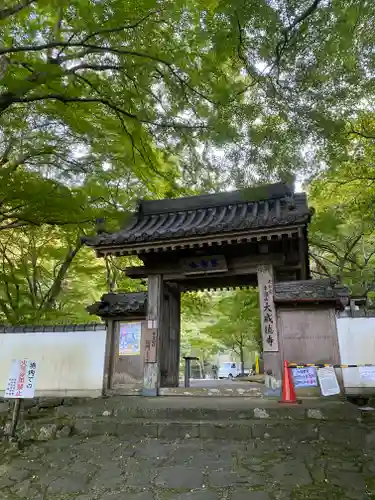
(269, 340)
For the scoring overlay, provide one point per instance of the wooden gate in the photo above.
(308, 335)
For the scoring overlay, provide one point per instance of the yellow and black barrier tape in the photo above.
(321, 365)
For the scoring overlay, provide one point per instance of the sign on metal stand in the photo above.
(20, 385)
(329, 385)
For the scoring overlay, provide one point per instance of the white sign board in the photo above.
(367, 373)
(21, 380)
(328, 381)
(304, 377)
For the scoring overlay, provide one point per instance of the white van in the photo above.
(228, 370)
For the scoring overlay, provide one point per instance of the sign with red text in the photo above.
(21, 380)
(304, 377)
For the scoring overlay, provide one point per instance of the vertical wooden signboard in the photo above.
(151, 374)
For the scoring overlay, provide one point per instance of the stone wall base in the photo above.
(210, 418)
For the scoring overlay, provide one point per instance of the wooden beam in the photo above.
(236, 265)
(223, 283)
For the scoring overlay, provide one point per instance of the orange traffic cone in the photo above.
(289, 394)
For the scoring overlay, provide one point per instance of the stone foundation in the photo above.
(213, 418)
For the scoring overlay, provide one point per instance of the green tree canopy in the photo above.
(236, 322)
(102, 103)
(342, 233)
(155, 89)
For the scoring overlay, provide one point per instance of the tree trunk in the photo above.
(242, 359)
(202, 367)
(54, 291)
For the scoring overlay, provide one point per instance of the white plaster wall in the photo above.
(70, 363)
(357, 347)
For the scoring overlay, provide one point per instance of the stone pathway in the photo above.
(105, 468)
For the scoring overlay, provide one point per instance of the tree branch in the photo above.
(351, 246)
(15, 9)
(4, 104)
(55, 34)
(118, 29)
(5, 279)
(5, 309)
(321, 265)
(299, 19)
(5, 156)
(13, 225)
(361, 134)
(288, 31)
(97, 67)
(91, 47)
(326, 247)
(22, 158)
(49, 299)
(340, 266)
(240, 53)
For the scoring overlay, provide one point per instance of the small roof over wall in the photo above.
(286, 292)
(304, 291)
(253, 214)
(51, 328)
(120, 304)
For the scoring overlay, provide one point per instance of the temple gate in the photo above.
(255, 237)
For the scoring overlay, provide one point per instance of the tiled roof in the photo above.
(264, 207)
(120, 304)
(314, 290)
(128, 304)
(51, 328)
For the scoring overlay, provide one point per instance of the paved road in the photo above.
(105, 468)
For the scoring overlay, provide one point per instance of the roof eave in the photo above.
(230, 237)
(334, 301)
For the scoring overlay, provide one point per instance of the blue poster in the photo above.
(305, 377)
(130, 339)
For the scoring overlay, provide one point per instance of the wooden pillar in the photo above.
(271, 352)
(303, 255)
(175, 338)
(165, 347)
(170, 341)
(109, 357)
(151, 375)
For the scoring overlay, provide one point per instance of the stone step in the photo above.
(209, 410)
(293, 431)
(296, 431)
(199, 417)
(233, 390)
